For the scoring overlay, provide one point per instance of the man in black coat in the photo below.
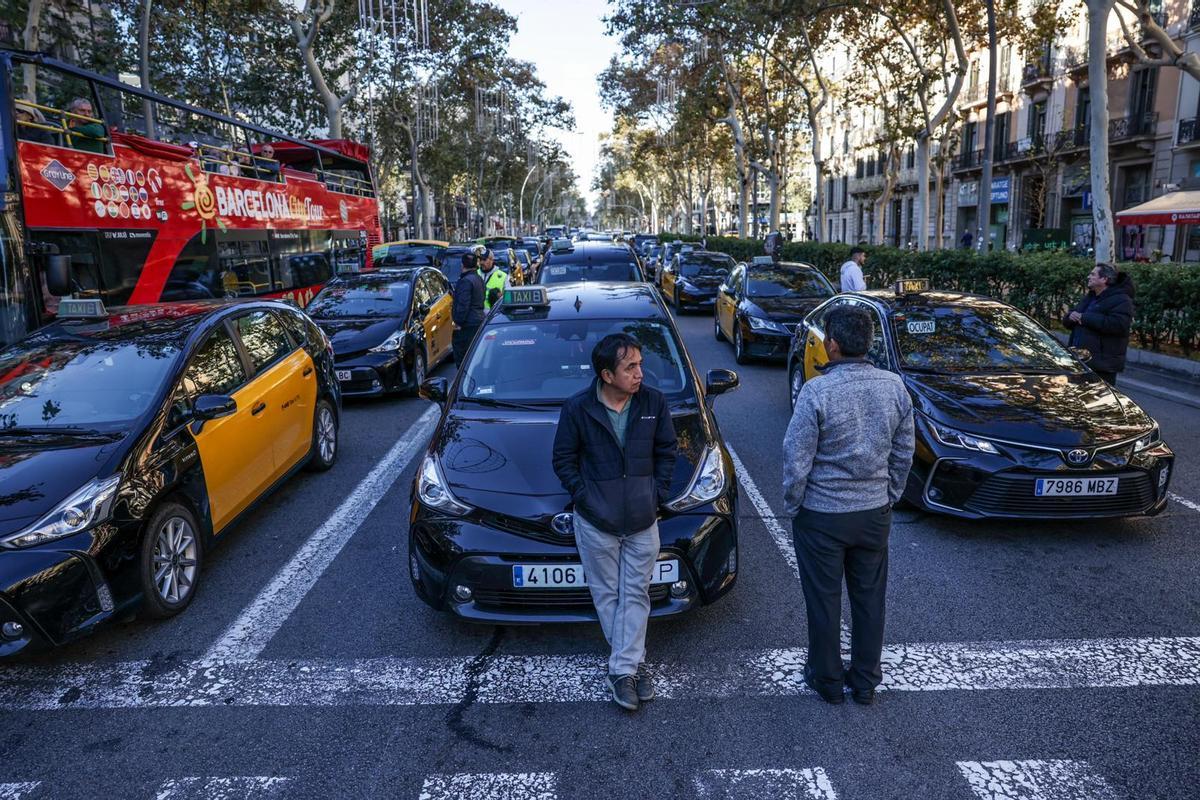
(1102, 320)
(614, 452)
(466, 308)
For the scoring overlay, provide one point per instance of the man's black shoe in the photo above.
(864, 697)
(624, 691)
(644, 683)
(833, 698)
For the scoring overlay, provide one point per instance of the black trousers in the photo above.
(1109, 377)
(827, 546)
(460, 342)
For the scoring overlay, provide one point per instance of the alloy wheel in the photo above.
(797, 383)
(326, 433)
(175, 560)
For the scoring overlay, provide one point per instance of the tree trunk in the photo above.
(921, 215)
(1102, 220)
(316, 13)
(144, 64)
(32, 40)
(984, 239)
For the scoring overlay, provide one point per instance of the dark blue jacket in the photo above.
(1104, 328)
(467, 304)
(618, 491)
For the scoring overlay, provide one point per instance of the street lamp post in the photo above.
(521, 202)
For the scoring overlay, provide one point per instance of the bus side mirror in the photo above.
(58, 275)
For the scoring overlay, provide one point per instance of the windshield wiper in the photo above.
(491, 402)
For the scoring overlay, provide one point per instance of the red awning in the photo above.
(290, 153)
(1173, 208)
(153, 148)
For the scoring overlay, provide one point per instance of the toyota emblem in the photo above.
(563, 524)
(1078, 457)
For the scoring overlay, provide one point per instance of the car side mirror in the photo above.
(58, 275)
(211, 406)
(719, 381)
(423, 309)
(435, 390)
(1082, 353)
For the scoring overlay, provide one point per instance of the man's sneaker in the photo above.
(624, 691)
(645, 684)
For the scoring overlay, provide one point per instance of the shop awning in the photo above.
(1182, 208)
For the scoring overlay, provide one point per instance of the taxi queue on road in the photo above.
(135, 438)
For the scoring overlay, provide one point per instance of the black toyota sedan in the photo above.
(590, 261)
(487, 509)
(388, 327)
(132, 440)
(760, 304)
(690, 279)
(1009, 423)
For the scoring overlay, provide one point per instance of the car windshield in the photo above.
(546, 361)
(377, 297)
(693, 265)
(974, 339)
(586, 271)
(84, 383)
(412, 254)
(786, 283)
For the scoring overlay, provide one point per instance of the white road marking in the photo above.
(16, 791)
(777, 784)
(1183, 501)
(236, 788)
(1035, 780)
(250, 633)
(491, 786)
(932, 667)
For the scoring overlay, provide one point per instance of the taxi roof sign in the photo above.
(529, 296)
(912, 286)
(763, 261)
(81, 308)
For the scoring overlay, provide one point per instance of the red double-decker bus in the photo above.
(211, 207)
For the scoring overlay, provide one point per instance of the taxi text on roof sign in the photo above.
(912, 286)
(525, 296)
(81, 308)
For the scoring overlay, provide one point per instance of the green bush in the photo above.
(1044, 284)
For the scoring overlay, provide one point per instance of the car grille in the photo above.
(550, 598)
(1012, 495)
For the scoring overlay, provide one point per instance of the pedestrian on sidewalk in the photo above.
(466, 309)
(1101, 322)
(852, 274)
(614, 452)
(847, 453)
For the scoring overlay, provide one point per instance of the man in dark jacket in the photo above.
(614, 452)
(1102, 320)
(466, 310)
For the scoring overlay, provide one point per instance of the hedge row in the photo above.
(1043, 284)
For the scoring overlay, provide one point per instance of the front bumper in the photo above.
(765, 344)
(961, 483)
(697, 297)
(374, 374)
(447, 552)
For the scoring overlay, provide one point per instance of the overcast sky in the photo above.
(566, 42)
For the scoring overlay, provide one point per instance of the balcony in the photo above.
(972, 159)
(1135, 126)
(977, 96)
(1189, 132)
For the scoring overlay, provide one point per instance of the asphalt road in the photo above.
(1055, 660)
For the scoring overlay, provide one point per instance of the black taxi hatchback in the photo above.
(133, 439)
(490, 536)
(1009, 423)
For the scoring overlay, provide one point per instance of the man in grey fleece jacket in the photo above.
(846, 459)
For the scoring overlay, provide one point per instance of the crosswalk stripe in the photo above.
(1035, 780)
(954, 666)
(491, 786)
(777, 784)
(251, 787)
(16, 791)
(1183, 501)
(250, 633)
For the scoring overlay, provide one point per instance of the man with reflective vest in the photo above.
(495, 281)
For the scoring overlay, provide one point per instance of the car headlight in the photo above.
(435, 492)
(1151, 438)
(90, 505)
(953, 438)
(761, 324)
(391, 344)
(707, 483)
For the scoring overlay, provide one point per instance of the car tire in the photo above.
(717, 332)
(170, 561)
(419, 372)
(739, 348)
(324, 437)
(795, 383)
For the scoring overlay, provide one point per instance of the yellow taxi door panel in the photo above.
(814, 354)
(445, 327)
(296, 403)
(236, 454)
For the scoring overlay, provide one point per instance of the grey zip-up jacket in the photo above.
(850, 444)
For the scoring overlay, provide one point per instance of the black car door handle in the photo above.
(308, 371)
(258, 409)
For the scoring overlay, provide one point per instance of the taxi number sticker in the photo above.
(558, 270)
(518, 342)
(922, 326)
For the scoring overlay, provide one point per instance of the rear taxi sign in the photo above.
(912, 286)
(81, 308)
(525, 296)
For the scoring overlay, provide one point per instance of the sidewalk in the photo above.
(1179, 387)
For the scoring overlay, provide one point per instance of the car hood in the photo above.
(358, 333)
(1055, 410)
(501, 462)
(782, 309)
(38, 473)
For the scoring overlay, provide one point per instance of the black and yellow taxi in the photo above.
(569, 262)
(1009, 422)
(507, 261)
(409, 253)
(760, 304)
(132, 440)
(490, 534)
(690, 279)
(388, 327)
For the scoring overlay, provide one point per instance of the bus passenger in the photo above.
(88, 135)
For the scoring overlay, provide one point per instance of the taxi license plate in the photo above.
(567, 576)
(1075, 487)
(343, 374)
